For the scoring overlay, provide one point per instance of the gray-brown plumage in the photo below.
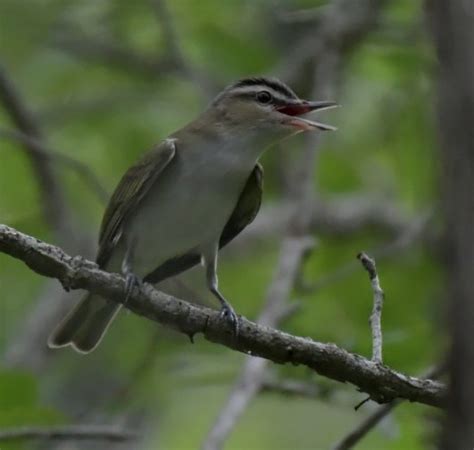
(188, 197)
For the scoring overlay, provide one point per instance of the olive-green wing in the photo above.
(247, 207)
(134, 184)
(244, 213)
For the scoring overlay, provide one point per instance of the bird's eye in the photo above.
(264, 97)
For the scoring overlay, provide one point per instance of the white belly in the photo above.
(186, 209)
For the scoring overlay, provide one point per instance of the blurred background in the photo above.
(97, 83)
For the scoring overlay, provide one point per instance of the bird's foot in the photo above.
(131, 281)
(228, 313)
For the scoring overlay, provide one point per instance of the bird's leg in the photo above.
(131, 280)
(227, 312)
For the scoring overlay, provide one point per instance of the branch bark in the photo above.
(368, 424)
(380, 382)
(376, 316)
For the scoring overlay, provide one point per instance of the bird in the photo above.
(188, 197)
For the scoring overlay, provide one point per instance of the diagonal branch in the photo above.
(252, 376)
(106, 51)
(23, 350)
(380, 382)
(55, 212)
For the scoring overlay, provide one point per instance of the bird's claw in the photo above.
(228, 313)
(131, 281)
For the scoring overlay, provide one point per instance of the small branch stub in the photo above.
(376, 316)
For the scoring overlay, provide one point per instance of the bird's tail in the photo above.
(85, 325)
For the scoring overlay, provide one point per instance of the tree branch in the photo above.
(71, 432)
(381, 383)
(107, 52)
(56, 212)
(339, 215)
(341, 26)
(366, 425)
(375, 317)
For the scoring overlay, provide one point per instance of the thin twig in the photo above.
(68, 432)
(376, 316)
(380, 382)
(37, 146)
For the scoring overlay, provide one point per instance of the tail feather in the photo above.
(85, 325)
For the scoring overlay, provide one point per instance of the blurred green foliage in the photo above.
(106, 116)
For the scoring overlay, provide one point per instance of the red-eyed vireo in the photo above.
(188, 197)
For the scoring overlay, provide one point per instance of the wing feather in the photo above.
(131, 189)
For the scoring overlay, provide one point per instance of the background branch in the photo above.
(374, 418)
(55, 210)
(86, 173)
(26, 348)
(65, 432)
(252, 376)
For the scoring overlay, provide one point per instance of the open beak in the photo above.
(300, 107)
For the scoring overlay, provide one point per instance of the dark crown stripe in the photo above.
(272, 83)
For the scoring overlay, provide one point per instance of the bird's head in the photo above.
(267, 104)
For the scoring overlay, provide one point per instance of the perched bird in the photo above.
(188, 197)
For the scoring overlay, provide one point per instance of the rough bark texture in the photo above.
(380, 382)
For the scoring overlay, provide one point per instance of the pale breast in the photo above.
(187, 208)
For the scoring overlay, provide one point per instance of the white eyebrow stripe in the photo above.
(258, 88)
